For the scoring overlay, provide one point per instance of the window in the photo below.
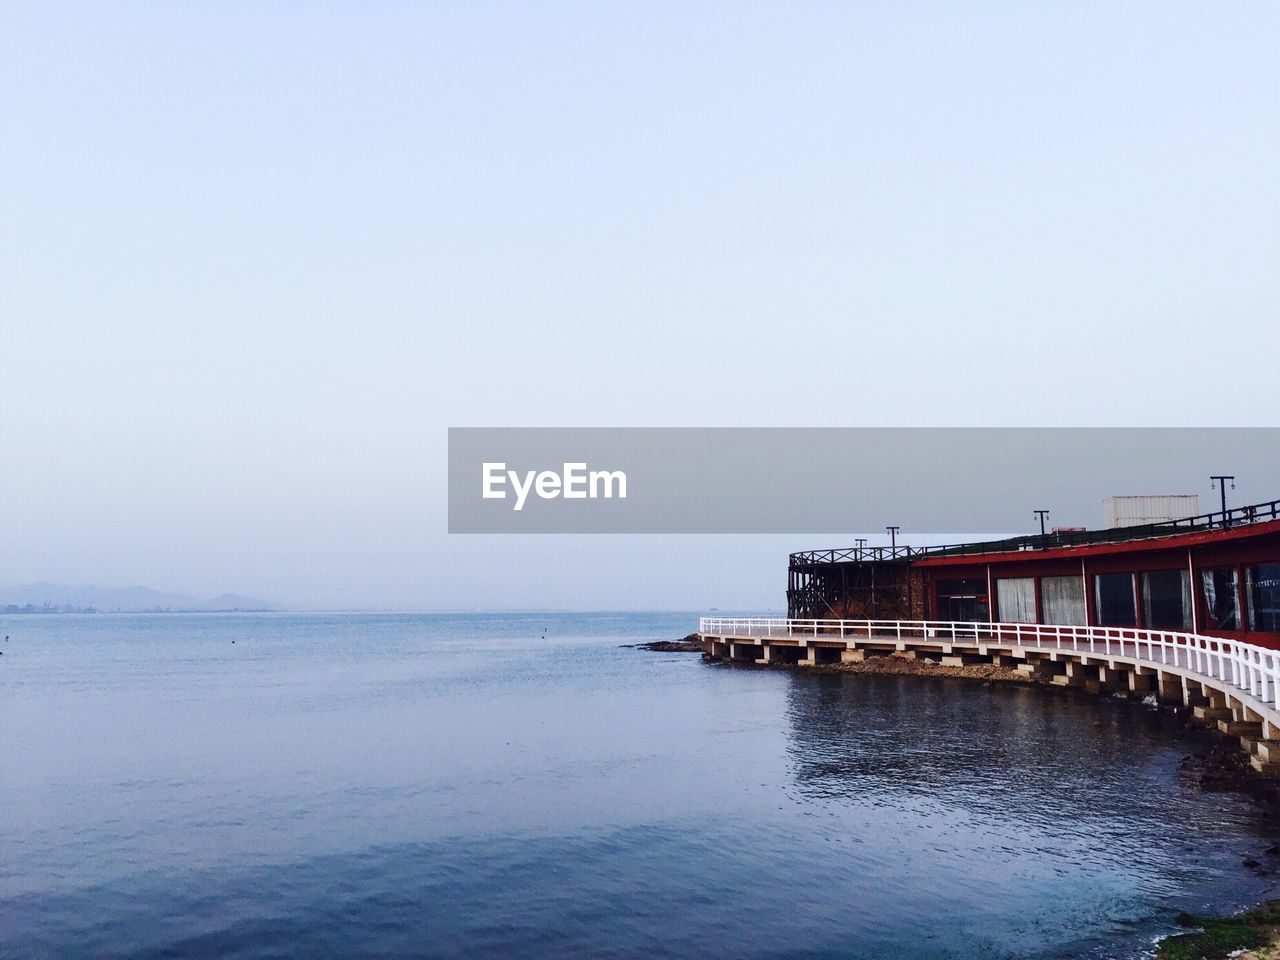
(963, 600)
(1114, 595)
(1220, 598)
(1263, 592)
(1062, 600)
(1166, 599)
(1016, 600)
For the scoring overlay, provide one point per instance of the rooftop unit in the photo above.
(1137, 511)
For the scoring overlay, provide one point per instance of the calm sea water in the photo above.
(459, 786)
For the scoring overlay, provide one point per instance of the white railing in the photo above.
(1252, 669)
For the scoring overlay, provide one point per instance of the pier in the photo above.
(1228, 685)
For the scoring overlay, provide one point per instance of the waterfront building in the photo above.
(1215, 574)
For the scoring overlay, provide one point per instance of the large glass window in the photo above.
(1220, 598)
(963, 600)
(1115, 603)
(1016, 600)
(1062, 600)
(1263, 592)
(1166, 599)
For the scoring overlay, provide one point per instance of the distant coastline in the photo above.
(53, 598)
(31, 609)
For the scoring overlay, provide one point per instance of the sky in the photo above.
(255, 259)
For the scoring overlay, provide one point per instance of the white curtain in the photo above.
(1188, 615)
(1017, 600)
(1062, 599)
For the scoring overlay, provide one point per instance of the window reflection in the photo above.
(1263, 590)
(1166, 599)
(1115, 601)
(1219, 586)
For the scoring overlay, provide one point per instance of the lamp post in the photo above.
(1041, 514)
(862, 542)
(893, 539)
(1221, 480)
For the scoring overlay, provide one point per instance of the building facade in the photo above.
(1217, 575)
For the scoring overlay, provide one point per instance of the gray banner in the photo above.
(818, 480)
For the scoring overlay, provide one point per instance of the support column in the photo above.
(1141, 682)
(1193, 694)
(1070, 674)
(1169, 688)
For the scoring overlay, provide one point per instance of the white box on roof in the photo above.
(1133, 511)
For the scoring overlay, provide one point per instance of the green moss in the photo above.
(1217, 937)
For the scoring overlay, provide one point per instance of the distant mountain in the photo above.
(64, 598)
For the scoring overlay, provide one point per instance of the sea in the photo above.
(534, 785)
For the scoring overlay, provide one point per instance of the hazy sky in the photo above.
(255, 258)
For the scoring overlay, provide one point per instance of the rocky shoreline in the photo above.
(691, 643)
(1251, 935)
(901, 664)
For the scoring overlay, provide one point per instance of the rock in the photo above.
(692, 643)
